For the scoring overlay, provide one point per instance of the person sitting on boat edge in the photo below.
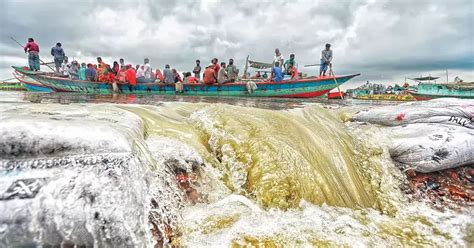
(73, 70)
(122, 75)
(102, 72)
(293, 71)
(131, 78)
(64, 70)
(82, 72)
(159, 75)
(277, 74)
(209, 76)
(291, 61)
(168, 75)
(33, 54)
(190, 79)
(58, 55)
(140, 74)
(222, 75)
(91, 73)
(326, 58)
(176, 76)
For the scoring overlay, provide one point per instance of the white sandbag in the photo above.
(453, 112)
(431, 147)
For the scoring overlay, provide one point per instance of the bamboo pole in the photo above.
(331, 72)
(24, 47)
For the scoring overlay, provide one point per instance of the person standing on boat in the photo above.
(122, 64)
(216, 66)
(289, 62)
(277, 74)
(168, 75)
(326, 58)
(197, 69)
(58, 53)
(33, 54)
(232, 71)
(278, 58)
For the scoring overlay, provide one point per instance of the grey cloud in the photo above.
(382, 40)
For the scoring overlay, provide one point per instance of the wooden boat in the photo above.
(335, 95)
(303, 88)
(385, 97)
(30, 84)
(429, 90)
(15, 86)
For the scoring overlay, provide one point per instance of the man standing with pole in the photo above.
(326, 57)
(33, 54)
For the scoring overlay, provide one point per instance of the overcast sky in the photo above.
(383, 40)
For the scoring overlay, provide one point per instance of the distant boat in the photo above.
(335, 95)
(429, 90)
(11, 86)
(385, 97)
(302, 88)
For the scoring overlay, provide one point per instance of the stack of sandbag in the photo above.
(427, 136)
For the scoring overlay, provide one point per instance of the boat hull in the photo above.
(305, 88)
(427, 91)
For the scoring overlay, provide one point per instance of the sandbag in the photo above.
(455, 112)
(428, 147)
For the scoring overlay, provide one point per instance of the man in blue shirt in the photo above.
(91, 73)
(277, 74)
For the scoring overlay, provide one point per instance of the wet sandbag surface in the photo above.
(427, 136)
(80, 177)
(443, 111)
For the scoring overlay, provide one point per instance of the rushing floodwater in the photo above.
(100, 170)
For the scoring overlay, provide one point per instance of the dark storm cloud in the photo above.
(382, 39)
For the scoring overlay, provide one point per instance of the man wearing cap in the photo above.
(326, 58)
(58, 53)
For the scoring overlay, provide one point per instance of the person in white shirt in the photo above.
(278, 58)
(147, 69)
(141, 74)
(64, 70)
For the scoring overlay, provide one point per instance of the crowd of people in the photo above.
(122, 73)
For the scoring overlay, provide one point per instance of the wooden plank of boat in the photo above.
(303, 88)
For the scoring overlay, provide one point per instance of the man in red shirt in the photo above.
(131, 77)
(33, 54)
(215, 65)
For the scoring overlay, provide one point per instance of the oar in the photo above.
(334, 77)
(312, 65)
(24, 48)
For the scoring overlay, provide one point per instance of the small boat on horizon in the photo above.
(301, 88)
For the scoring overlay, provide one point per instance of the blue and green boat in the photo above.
(301, 88)
(427, 89)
